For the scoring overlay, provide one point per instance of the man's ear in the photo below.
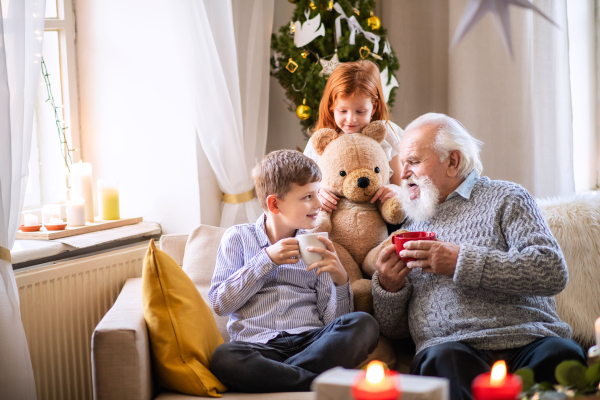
(322, 138)
(272, 204)
(454, 160)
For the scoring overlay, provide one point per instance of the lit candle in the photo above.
(48, 212)
(108, 200)
(76, 212)
(30, 220)
(497, 385)
(376, 383)
(81, 187)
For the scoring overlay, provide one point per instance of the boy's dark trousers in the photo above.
(290, 362)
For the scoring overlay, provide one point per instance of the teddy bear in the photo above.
(354, 167)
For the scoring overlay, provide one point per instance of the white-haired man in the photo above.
(483, 291)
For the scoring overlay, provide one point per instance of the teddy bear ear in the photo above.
(375, 130)
(321, 138)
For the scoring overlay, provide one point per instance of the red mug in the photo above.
(402, 238)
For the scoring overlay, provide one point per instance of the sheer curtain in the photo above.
(21, 28)
(229, 73)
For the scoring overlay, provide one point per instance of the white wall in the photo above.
(135, 123)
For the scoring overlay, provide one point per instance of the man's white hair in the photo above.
(451, 135)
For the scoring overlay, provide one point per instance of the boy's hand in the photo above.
(286, 251)
(330, 262)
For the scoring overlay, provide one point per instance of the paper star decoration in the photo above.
(476, 9)
(329, 66)
(384, 84)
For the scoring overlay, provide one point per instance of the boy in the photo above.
(287, 322)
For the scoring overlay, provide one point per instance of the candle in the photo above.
(76, 212)
(81, 187)
(51, 211)
(376, 383)
(30, 220)
(497, 385)
(55, 221)
(597, 326)
(108, 200)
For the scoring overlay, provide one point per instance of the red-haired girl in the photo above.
(353, 97)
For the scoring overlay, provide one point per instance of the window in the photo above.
(47, 181)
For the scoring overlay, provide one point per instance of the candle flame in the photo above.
(498, 373)
(375, 372)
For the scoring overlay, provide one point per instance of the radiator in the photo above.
(61, 304)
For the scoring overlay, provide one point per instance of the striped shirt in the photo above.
(262, 298)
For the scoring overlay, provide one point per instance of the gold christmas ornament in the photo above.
(291, 66)
(312, 5)
(303, 111)
(374, 22)
(364, 52)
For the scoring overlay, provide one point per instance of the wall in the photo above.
(134, 114)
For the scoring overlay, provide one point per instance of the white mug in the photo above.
(311, 240)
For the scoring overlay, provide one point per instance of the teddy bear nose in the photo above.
(363, 182)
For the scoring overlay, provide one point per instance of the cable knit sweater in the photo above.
(500, 297)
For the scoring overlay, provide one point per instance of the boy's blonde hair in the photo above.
(279, 170)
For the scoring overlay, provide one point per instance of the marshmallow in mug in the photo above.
(311, 240)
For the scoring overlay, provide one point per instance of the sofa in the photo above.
(121, 362)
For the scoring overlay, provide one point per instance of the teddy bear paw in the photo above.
(392, 211)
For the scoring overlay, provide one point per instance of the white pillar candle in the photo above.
(51, 211)
(55, 221)
(76, 212)
(81, 187)
(30, 220)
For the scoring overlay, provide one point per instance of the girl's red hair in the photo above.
(349, 79)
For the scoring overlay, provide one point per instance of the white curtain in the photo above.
(21, 28)
(229, 73)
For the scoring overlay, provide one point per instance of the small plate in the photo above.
(32, 228)
(56, 227)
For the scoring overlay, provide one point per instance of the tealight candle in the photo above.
(30, 220)
(376, 383)
(81, 187)
(48, 212)
(497, 385)
(76, 212)
(108, 200)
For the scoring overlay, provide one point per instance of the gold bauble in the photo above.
(303, 111)
(374, 22)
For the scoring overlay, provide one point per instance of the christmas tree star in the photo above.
(329, 66)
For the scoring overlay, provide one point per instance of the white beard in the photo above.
(423, 207)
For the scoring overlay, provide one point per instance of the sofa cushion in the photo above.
(183, 333)
(200, 254)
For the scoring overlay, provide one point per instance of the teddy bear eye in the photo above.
(376, 170)
(342, 173)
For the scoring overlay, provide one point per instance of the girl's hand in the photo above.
(328, 200)
(330, 262)
(384, 193)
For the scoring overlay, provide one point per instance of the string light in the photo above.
(61, 129)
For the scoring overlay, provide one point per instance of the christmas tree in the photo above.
(320, 35)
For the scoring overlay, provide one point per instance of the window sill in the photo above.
(28, 253)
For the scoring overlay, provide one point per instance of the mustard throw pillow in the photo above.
(183, 333)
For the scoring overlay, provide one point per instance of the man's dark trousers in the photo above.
(461, 363)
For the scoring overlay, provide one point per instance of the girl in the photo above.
(352, 98)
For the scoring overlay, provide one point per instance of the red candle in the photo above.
(497, 385)
(376, 383)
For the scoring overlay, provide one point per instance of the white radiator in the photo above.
(61, 304)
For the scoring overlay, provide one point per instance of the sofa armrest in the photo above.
(121, 364)
(174, 245)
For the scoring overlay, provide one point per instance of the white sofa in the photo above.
(121, 363)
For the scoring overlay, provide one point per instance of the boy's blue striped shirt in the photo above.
(262, 298)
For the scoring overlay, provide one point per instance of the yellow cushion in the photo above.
(183, 333)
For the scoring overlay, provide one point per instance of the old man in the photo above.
(483, 291)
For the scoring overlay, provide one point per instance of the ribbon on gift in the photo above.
(5, 254)
(239, 198)
(354, 27)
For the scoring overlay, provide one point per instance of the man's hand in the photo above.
(392, 270)
(434, 257)
(330, 262)
(328, 200)
(286, 251)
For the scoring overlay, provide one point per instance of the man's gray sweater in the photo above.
(500, 297)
